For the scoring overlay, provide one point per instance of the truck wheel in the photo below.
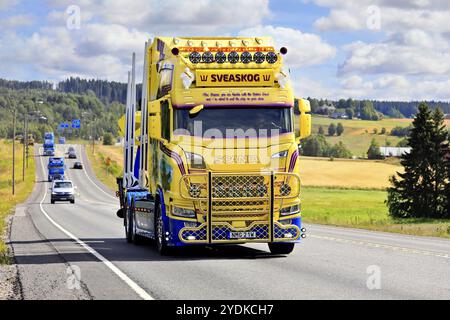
(281, 248)
(161, 243)
(52, 201)
(128, 225)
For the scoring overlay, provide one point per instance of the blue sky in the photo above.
(394, 50)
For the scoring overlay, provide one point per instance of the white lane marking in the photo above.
(84, 170)
(133, 285)
(384, 246)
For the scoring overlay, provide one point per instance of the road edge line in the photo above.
(133, 285)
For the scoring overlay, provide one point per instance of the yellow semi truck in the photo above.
(211, 157)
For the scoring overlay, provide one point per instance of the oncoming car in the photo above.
(62, 190)
(78, 165)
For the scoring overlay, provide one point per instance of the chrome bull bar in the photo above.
(267, 187)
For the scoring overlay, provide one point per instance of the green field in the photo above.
(363, 209)
(355, 136)
(23, 189)
(359, 133)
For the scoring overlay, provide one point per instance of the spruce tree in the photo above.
(419, 190)
(331, 129)
(440, 178)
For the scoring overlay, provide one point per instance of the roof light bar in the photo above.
(233, 57)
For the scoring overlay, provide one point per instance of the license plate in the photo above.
(242, 235)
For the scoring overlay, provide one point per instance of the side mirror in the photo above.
(305, 119)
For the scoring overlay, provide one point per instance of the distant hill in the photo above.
(107, 91)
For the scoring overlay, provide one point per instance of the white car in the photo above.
(62, 190)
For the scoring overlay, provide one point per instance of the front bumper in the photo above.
(62, 197)
(182, 233)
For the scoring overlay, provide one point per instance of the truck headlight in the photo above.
(196, 161)
(281, 154)
(290, 210)
(182, 212)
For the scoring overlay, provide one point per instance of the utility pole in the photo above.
(24, 145)
(93, 140)
(27, 148)
(14, 153)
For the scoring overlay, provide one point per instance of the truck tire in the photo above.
(52, 201)
(281, 248)
(128, 226)
(160, 240)
(72, 201)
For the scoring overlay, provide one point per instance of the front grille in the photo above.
(239, 186)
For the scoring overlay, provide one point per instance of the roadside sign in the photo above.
(63, 125)
(76, 124)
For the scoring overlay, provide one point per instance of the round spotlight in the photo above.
(246, 57)
(285, 189)
(271, 57)
(175, 51)
(221, 57)
(194, 191)
(259, 57)
(283, 50)
(207, 57)
(195, 57)
(233, 57)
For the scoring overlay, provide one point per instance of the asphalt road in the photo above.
(78, 251)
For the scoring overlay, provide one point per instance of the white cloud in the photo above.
(17, 21)
(55, 52)
(428, 15)
(5, 4)
(413, 52)
(174, 16)
(304, 49)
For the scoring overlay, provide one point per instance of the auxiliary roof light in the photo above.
(188, 77)
(271, 57)
(195, 57)
(246, 57)
(233, 57)
(207, 57)
(282, 78)
(259, 57)
(221, 57)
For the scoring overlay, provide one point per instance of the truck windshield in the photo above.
(63, 184)
(233, 121)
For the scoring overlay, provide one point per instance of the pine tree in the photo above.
(420, 190)
(339, 129)
(332, 129)
(440, 174)
(374, 150)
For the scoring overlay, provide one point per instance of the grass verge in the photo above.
(105, 163)
(22, 188)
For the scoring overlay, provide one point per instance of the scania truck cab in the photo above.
(56, 169)
(49, 144)
(212, 155)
